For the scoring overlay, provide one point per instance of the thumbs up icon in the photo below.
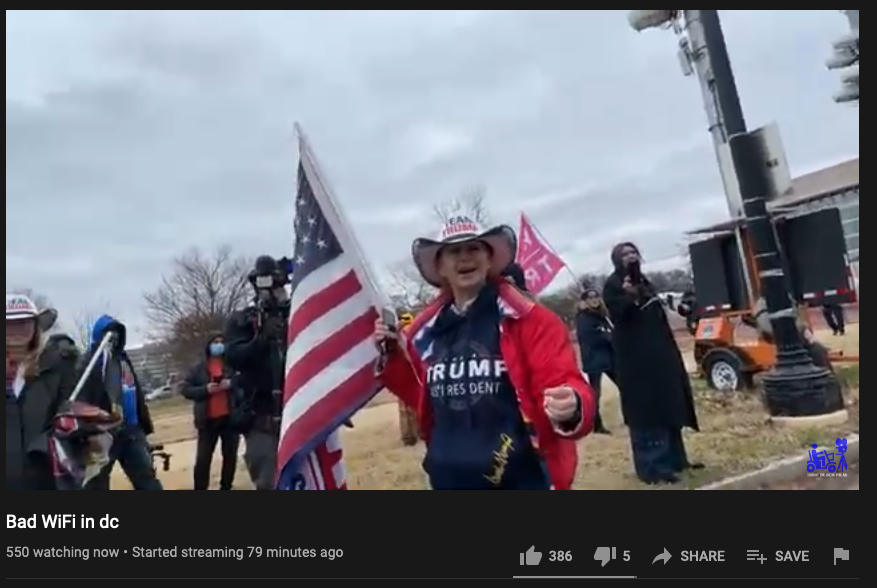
(531, 557)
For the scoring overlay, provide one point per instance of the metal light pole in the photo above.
(795, 387)
(845, 57)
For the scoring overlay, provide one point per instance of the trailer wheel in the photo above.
(725, 371)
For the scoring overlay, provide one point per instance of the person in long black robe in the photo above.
(656, 396)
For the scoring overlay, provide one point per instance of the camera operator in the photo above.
(256, 340)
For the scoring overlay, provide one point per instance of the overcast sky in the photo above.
(132, 136)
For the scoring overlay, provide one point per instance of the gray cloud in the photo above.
(131, 136)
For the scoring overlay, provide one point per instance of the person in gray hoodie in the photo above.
(40, 375)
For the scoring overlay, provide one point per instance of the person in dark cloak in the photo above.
(594, 335)
(656, 396)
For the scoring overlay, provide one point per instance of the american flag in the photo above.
(330, 362)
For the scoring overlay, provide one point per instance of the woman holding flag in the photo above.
(491, 373)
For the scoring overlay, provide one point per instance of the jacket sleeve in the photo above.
(552, 363)
(195, 385)
(400, 378)
(244, 347)
(65, 387)
(622, 305)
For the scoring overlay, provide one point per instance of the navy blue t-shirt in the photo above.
(479, 440)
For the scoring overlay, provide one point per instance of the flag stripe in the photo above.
(328, 380)
(324, 355)
(322, 304)
(304, 436)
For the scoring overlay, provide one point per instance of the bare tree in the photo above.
(471, 202)
(407, 288)
(83, 323)
(195, 299)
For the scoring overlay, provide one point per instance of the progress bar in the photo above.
(573, 577)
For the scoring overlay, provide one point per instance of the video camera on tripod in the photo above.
(270, 275)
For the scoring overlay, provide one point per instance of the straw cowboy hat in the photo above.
(22, 308)
(501, 240)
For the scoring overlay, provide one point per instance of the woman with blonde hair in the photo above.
(491, 373)
(39, 377)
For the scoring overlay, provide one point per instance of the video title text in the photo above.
(61, 521)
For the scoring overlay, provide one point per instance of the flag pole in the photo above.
(347, 237)
(547, 244)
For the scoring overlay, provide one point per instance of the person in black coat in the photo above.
(594, 334)
(40, 375)
(210, 385)
(687, 309)
(656, 396)
(834, 318)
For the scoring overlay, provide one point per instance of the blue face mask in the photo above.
(217, 349)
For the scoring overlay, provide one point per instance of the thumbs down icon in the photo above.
(604, 555)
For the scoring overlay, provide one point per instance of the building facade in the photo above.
(152, 365)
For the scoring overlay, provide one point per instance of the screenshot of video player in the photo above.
(613, 252)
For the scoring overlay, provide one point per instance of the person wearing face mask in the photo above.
(491, 373)
(209, 385)
(255, 348)
(656, 396)
(594, 335)
(39, 378)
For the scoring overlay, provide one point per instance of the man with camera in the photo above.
(256, 341)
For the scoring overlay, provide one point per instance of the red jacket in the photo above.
(538, 354)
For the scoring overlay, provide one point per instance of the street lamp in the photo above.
(845, 56)
(795, 388)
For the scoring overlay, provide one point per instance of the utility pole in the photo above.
(795, 387)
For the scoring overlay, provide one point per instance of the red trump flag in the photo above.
(536, 257)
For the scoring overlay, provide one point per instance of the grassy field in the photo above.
(736, 437)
